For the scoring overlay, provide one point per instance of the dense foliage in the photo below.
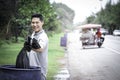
(16, 15)
(7, 11)
(28, 7)
(109, 17)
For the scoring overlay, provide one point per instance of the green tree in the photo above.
(7, 11)
(28, 7)
(112, 17)
(109, 17)
(15, 17)
(90, 19)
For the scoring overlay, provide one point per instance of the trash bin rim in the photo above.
(12, 67)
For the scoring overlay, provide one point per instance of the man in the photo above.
(39, 56)
(99, 35)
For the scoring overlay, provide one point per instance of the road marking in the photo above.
(113, 50)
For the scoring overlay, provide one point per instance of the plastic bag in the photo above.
(22, 60)
(35, 44)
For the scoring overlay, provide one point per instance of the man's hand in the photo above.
(35, 44)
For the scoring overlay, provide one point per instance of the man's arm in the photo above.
(38, 50)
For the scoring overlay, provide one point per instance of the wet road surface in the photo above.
(92, 63)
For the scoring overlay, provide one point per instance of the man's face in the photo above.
(36, 24)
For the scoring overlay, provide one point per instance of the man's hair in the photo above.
(38, 16)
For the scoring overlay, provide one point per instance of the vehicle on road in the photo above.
(116, 32)
(88, 38)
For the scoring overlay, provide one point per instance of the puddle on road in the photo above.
(63, 74)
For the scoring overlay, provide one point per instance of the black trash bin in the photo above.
(10, 72)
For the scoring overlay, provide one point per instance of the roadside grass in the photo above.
(55, 53)
(9, 52)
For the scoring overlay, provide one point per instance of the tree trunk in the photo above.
(8, 32)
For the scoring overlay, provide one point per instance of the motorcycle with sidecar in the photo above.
(88, 36)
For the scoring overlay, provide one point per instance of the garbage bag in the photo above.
(35, 44)
(27, 44)
(22, 60)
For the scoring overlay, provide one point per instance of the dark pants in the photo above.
(102, 39)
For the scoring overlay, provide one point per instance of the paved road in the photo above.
(92, 63)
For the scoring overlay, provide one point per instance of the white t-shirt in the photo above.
(40, 59)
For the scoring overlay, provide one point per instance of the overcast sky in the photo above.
(83, 8)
